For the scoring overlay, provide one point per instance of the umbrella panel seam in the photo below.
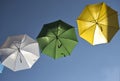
(65, 31)
(87, 29)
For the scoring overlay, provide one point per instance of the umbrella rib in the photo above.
(90, 12)
(65, 31)
(19, 59)
(105, 25)
(29, 52)
(15, 60)
(25, 59)
(10, 53)
(55, 49)
(47, 44)
(114, 13)
(29, 44)
(69, 39)
(87, 29)
(48, 36)
(22, 40)
(92, 21)
(8, 48)
(99, 12)
(53, 33)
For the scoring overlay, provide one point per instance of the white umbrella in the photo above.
(19, 52)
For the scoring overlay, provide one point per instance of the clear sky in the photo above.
(86, 63)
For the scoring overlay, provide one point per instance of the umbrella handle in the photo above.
(20, 60)
(18, 49)
(59, 45)
(101, 28)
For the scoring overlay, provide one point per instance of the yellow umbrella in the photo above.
(98, 23)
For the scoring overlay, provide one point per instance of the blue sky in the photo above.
(86, 63)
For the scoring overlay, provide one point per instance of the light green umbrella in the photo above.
(57, 39)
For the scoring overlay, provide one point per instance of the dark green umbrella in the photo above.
(57, 39)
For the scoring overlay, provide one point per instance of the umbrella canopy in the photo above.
(19, 52)
(98, 23)
(57, 39)
(1, 67)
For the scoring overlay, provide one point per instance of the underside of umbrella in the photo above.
(19, 52)
(98, 23)
(57, 39)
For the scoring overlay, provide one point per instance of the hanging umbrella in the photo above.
(57, 39)
(98, 23)
(19, 52)
(1, 67)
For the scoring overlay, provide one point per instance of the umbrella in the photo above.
(57, 39)
(19, 52)
(1, 67)
(98, 23)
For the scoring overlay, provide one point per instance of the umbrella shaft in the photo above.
(18, 49)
